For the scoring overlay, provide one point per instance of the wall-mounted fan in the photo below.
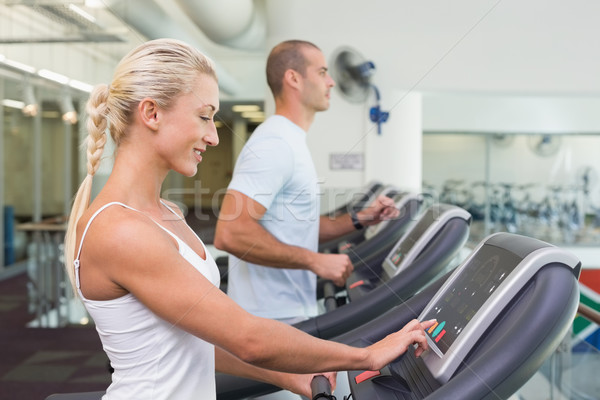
(544, 145)
(502, 139)
(586, 179)
(352, 74)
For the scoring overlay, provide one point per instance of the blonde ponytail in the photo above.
(96, 125)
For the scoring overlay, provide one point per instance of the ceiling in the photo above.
(80, 23)
(108, 29)
(66, 22)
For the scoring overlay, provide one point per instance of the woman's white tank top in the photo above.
(152, 359)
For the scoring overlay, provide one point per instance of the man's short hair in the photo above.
(286, 55)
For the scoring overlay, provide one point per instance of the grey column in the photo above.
(68, 167)
(2, 173)
(37, 162)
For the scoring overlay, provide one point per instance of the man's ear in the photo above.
(148, 112)
(292, 78)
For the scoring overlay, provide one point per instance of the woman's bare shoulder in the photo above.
(173, 206)
(117, 226)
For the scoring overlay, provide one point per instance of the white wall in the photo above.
(475, 48)
(474, 112)
(509, 46)
(395, 155)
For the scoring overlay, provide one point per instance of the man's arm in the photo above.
(238, 232)
(383, 208)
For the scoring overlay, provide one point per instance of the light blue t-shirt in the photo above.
(275, 169)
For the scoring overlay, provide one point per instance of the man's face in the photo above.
(317, 82)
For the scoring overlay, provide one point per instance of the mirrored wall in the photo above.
(541, 185)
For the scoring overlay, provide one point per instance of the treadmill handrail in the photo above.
(589, 313)
(321, 388)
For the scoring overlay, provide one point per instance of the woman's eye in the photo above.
(205, 118)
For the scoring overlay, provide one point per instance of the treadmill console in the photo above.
(475, 294)
(408, 248)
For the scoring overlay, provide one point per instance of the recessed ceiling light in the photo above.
(53, 76)
(245, 107)
(13, 103)
(18, 65)
(85, 87)
(82, 13)
(253, 114)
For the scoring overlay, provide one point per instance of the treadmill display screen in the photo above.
(469, 291)
(408, 241)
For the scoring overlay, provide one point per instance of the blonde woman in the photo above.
(144, 276)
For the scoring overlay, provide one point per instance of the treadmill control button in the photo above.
(345, 246)
(356, 284)
(366, 376)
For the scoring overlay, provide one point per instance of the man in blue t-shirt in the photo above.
(269, 220)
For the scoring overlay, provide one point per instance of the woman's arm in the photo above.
(141, 258)
(296, 383)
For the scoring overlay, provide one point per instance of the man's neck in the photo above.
(297, 114)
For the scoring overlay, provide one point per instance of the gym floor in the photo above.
(36, 362)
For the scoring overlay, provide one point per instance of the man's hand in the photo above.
(383, 208)
(335, 267)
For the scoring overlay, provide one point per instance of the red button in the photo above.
(366, 375)
(345, 246)
(357, 283)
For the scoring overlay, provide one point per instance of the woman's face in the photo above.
(188, 128)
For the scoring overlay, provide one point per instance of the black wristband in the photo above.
(355, 221)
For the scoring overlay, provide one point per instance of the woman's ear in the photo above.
(148, 112)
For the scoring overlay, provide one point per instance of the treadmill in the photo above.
(378, 240)
(427, 248)
(415, 260)
(499, 315)
(401, 199)
(360, 198)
